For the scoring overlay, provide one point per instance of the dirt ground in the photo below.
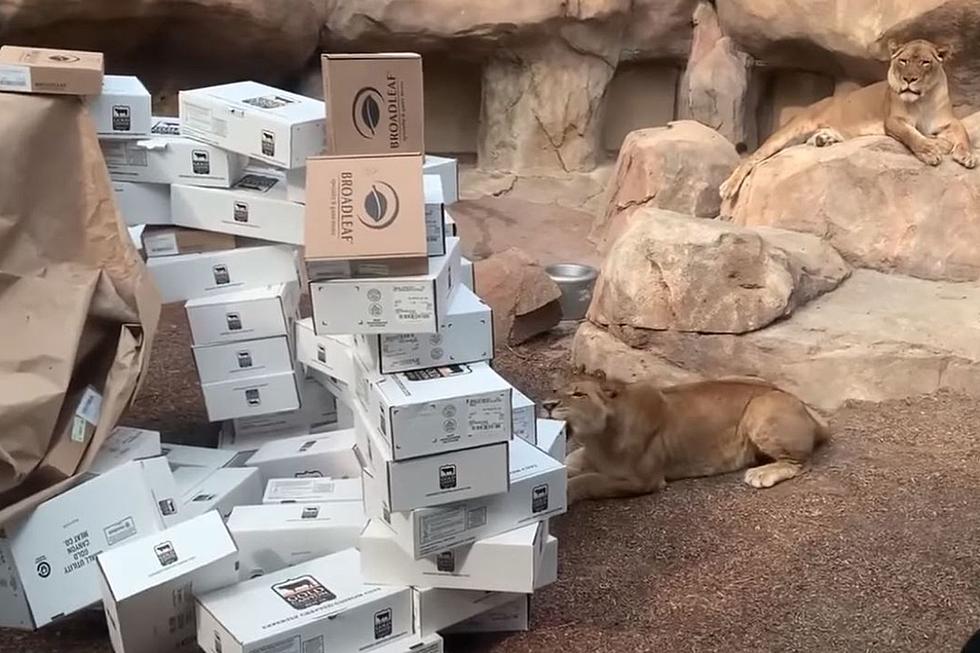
(876, 549)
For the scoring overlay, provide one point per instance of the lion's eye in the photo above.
(578, 394)
(903, 62)
(926, 64)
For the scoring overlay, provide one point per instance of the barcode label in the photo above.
(15, 78)
(78, 429)
(90, 407)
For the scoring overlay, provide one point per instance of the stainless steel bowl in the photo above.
(576, 282)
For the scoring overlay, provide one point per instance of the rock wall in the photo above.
(548, 87)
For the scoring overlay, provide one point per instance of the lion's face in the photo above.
(916, 68)
(586, 406)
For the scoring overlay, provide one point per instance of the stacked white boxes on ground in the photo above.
(377, 483)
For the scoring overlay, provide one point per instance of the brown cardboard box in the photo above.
(39, 70)
(374, 103)
(361, 208)
(171, 241)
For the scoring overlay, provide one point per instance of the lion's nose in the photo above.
(909, 79)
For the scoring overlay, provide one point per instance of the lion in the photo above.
(912, 106)
(635, 437)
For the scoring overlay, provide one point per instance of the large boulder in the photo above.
(877, 337)
(878, 205)
(670, 271)
(678, 168)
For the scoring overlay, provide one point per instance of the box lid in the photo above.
(304, 445)
(293, 516)
(272, 103)
(263, 607)
(249, 295)
(155, 559)
(446, 382)
(50, 57)
(373, 55)
(123, 85)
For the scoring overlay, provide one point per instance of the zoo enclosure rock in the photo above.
(676, 272)
(678, 168)
(878, 205)
(877, 337)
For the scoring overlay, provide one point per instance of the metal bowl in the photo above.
(576, 282)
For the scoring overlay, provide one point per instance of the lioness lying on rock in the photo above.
(635, 436)
(912, 106)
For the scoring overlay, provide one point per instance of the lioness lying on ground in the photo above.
(635, 436)
(912, 106)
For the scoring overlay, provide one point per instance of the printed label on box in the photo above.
(15, 78)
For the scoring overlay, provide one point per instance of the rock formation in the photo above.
(678, 168)
(673, 272)
(876, 203)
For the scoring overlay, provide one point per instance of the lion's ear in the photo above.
(894, 47)
(943, 52)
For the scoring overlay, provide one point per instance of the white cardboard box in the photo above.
(452, 229)
(465, 336)
(506, 563)
(243, 359)
(166, 157)
(223, 491)
(431, 644)
(436, 410)
(387, 305)
(466, 276)
(525, 417)
(189, 276)
(512, 617)
(438, 609)
(435, 220)
(123, 108)
(319, 412)
(191, 465)
(336, 387)
(244, 315)
(430, 480)
(264, 123)
(332, 355)
(322, 455)
(273, 537)
(448, 171)
(54, 548)
(148, 585)
(320, 605)
(313, 490)
(123, 445)
(537, 492)
(256, 395)
(141, 204)
(552, 438)
(256, 206)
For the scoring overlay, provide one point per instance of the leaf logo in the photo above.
(381, 206)
(366, 112)
(63, 58)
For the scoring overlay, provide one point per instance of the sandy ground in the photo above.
(876, 549)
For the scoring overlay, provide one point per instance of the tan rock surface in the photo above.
(875, 338)
(716, 88)
(878, 205)
(678, 168)
(523, 298)
(669, 271)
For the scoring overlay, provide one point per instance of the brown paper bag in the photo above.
(77, 306)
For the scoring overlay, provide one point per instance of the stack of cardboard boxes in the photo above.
(377, 483)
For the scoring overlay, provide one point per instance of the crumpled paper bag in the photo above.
(77, 306)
